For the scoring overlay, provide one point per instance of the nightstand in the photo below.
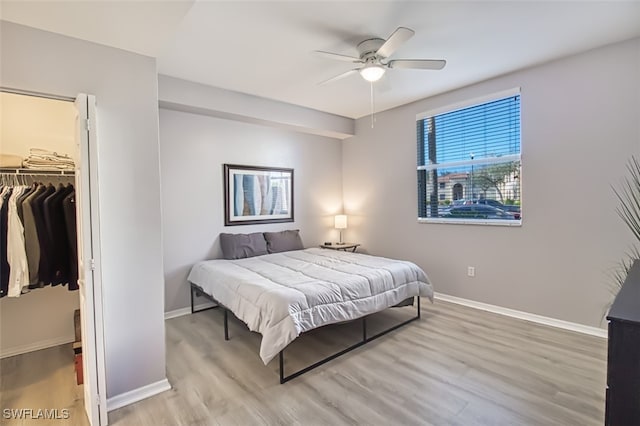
(352, 247)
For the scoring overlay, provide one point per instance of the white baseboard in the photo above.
(553, 322)
(136, 395)
(177, 313)
(186, 311)
(43, 344)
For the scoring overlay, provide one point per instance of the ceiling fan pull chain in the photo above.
(373, 119)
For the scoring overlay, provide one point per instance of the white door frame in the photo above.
(89, 264)
(89, 260)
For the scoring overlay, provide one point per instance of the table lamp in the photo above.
(341, 223)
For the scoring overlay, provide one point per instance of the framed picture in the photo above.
(257, 195)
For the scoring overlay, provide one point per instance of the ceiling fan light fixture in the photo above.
(372, 72)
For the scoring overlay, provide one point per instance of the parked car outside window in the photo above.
(499, 205)
(480, 211)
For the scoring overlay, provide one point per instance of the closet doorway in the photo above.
(46, 347)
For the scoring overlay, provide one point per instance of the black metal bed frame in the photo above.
(283, 379)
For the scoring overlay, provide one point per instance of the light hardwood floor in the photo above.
(44, 379)
(455, 366)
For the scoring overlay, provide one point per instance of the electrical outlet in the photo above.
(471, 271)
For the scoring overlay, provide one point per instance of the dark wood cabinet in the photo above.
(623, 361)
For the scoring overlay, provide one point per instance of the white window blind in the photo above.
(469, 163)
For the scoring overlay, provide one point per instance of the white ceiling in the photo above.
(264, 47)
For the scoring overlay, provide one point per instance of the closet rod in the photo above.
(36, 94)
(11, 171)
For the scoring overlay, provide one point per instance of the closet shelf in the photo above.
(15, 171)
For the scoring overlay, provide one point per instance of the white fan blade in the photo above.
(338, 77)
(394, 41)
(421, 64)
(337, 57)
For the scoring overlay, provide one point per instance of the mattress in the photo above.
(282, 295)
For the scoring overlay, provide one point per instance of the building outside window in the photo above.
(469, 165)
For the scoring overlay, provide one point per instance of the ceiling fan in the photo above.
(373, 57)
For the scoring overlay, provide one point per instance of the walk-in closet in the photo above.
(40, 339)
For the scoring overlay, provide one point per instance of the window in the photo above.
(469, 162)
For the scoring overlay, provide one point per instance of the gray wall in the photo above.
(580, 125)
(125, 86)
(193, 149)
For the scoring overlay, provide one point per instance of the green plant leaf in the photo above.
(629, 197)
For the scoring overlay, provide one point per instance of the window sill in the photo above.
(492, 222)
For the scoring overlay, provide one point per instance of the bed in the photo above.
(281, 295)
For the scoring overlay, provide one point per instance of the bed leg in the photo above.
(281, 360)
(418, 297)
(226, 323)
(192, 310)
(364, 329)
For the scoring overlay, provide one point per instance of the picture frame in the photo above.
(254, 195)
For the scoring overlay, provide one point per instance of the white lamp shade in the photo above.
(341, 221)
(372, 72)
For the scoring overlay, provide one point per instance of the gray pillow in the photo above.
(283, 241)
(239, 246)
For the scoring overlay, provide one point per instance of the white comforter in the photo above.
(284, 294)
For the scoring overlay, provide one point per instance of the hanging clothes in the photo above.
(38, 241)
(4, 229)
(32, 243)
(20, 200)
(57, 233)
(16, 252)
(46, 249)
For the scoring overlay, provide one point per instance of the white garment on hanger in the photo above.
(16, 252)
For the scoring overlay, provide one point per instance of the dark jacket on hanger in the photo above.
(57, 233)
(4, 229)
(31, 242)
(46, 249)
(21, 199)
